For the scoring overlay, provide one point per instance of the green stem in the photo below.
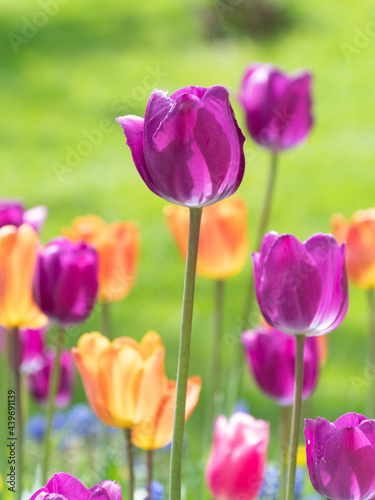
(106, 319)
(284, 427)
(183, 355)
(236, 374)
(52, 391)
(215, 362)
(150, 456)
(371, 395)
(129, 452)
(296, 417)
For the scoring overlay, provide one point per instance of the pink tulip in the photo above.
(236, 465)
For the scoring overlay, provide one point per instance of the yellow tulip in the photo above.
(18, 255)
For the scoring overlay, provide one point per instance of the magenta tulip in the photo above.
(236, 464)
(302, 288)
(341, 457)
(65, 487)
(188, 149)
(13, 213)
(277, 106)
(66, 281)
(271, 355)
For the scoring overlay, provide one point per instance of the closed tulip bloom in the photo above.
(277, 106)
(37, 372)
(18, 255)
(13, 213)
(66, 281)
(359, 235)
(117, 245)
(271, 355)
(223, 241)
(62, 486)
(341, 456)
(188, 149)
(236, 464)
(124, 380)
(156, 432)
(301, 287)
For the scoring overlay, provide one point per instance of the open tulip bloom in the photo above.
(188, 150)
(302, 289)
(341, 457)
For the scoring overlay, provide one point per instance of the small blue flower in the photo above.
(157, 491)
(241, 406)
(58, 420)
(271, 483)
(82, 420)
(36, 426)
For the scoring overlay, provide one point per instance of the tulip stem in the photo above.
(296, 417)
(106, 320)
(150, 456)
(215, 367)
(15, 360)
(183, 355)
(371, 395)
(284, 427)
(129, 452)
(52, 391)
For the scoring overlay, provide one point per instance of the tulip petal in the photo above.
(106, 490)
(35, 217)
(65, 486)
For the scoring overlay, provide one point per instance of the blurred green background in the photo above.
(69, 67)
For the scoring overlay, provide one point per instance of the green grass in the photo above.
(77, 71)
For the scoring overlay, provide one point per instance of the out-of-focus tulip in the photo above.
(156, 431)
(223, 239)
(13, 213)
(117, 245)
(277, 106)
(18, 254)
(66, 281)
(341, 456)
(301, 287)
(188, 149)
(32, 343)
(124, 380)
(271, 356)
(37, 371)
(236, 464)
(359, 235)
(62, 486)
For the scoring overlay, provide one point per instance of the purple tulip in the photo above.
(65, 487)
(13, 213)
(32, 344)
(66, 280)
(189, 148)
(302, 288)
(271, 356)
(37, 372)
(277, 106)
(341, 457)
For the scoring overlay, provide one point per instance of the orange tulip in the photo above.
(157, 431)
(223, 242)
(124, 380)
(18, 254)
(359, 235)
(117, 245)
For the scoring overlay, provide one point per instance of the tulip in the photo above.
(359, 236)
(277, 106)
(65, 281)
(223, 241)
(271, 355)
(12, 213)
(38, 372)
(156, 432)
(18, 254)
(188, 149)
(124, 381)
(341, 456)
(236, 464)
(301, 287)
(65, 487)
(117, 245)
